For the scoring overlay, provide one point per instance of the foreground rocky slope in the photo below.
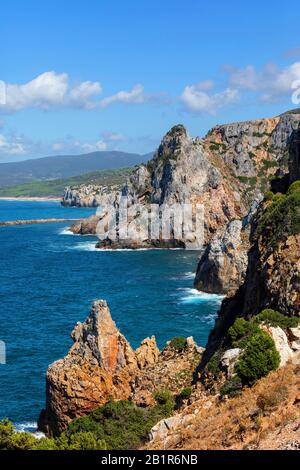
(266, 417)
(239, 350)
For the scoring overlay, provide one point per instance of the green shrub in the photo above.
(214, 147)
(86, 441)
(258, 359)
(269, 196)
(6, 432)
(22, 441)
(162, 397)
(240, 332)
(178, 343)
(231, 387)
(213, 365)
(281, 218)
(119, 424)
(46, 443)
(186, 393)
(294, 187)
(274, 318)
(269, 164)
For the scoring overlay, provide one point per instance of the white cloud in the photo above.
(82, 93)
(271, 83)
(196, 99)
(13, 146)
(114, 137)
(53, 90)
(49, 90)
(136, 95)
(71, 146)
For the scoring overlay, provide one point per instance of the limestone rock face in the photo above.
(281, 343)
(87, 226)
(222, 268)
(294, 337)
(181, 172)
(84, 195)
(181, 168)
(246, 146)
(294, 161)
(229, 359)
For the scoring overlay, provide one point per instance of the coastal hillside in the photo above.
(56, 187)
(65, 166)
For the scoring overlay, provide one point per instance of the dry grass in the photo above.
(264, 416)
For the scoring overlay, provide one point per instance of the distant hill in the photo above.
(56, 187)
(65, 166)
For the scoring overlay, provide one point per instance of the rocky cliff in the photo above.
(102, 365)
(273, 267)
(265, 414)
(181, 172)
(227, 172)
(84, 195)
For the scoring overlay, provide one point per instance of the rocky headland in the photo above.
(228, 172)
(101, 365)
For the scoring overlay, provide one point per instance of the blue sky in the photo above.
(81, 76)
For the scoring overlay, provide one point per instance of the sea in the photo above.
(48, 280)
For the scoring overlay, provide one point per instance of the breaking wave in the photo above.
(194, 296)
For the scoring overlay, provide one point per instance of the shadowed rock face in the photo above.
(273, 274)
(101, 365)
(294, 162)
(222, 268)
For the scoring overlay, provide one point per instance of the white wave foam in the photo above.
(66, 231)
(192, 296)
(91, 246)
(85, 246)
(189, 275)
(30, 427)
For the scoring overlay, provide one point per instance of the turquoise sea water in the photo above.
(48, 279)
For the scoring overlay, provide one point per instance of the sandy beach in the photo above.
(26, 198)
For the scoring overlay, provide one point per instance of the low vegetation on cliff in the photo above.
(55, 187)
(99, 430)
(281, 217)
